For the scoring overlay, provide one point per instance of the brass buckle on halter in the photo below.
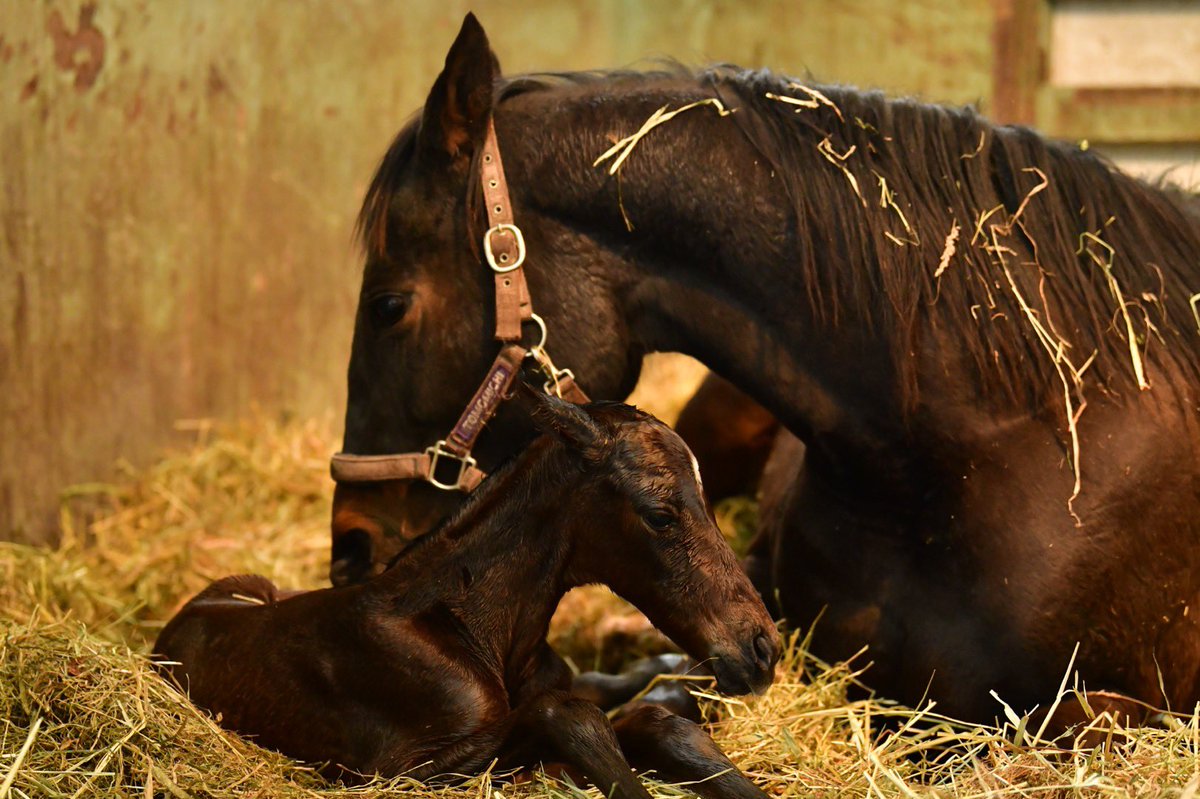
(503, 265)
(553, 374)
(553, 385)
(438, 451)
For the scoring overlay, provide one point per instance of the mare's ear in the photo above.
(454, 122)
(572, 424)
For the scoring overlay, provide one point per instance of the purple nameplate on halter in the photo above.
(484, 403)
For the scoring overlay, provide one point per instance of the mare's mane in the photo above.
(1041, 227)
(937, 228)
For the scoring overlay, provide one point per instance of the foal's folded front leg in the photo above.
(557, 726)
(678, 750)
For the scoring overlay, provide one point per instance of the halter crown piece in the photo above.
(504, 251)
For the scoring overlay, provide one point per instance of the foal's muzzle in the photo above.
(750, 668)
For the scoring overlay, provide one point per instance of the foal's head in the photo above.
(640, 525)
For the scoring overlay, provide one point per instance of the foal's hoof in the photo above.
(613, 690)
(670, 695)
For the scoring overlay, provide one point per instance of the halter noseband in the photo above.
(504, 250)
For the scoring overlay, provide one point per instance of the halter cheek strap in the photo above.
(504, 251)
(503, 244)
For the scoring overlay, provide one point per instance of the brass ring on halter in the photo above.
(538, 351)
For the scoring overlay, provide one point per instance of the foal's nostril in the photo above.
(764, 651)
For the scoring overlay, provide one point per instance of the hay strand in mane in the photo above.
(825, 148)
(819, 97)
(623, 148)
(1056, 349)
(887, 199)
(800, 103)
(948, 250)
(1054, 345)
(1105, 265)
(816, 99)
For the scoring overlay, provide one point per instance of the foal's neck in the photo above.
(499, 564)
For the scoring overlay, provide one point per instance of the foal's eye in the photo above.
(659, 519)
(388, 309)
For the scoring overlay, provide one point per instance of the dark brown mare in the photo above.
(441, 663)
(926, 299)
(731, 436)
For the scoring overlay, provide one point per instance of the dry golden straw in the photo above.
(887, 199)
(825, 148)
(1135, 355)
(948, 250)
(815, 99)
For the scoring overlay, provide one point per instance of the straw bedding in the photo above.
(82, 714)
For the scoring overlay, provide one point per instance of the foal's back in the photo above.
(314, 674)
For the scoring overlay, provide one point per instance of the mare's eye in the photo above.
(388, 309)
(659, 519)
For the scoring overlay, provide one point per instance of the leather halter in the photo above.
(504, 251)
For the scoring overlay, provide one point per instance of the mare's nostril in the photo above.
(350, 560)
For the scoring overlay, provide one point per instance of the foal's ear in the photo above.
(454, 121)
(571, 423)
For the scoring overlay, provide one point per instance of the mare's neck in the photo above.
(709, 266)
(499, 565)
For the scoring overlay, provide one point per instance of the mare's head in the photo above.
(641, 526)
(423, 335)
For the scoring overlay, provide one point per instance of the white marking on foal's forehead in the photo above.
(253, 600)
(695, 464)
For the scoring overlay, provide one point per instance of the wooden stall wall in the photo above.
(180, 181)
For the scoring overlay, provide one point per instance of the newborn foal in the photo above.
(441, 664)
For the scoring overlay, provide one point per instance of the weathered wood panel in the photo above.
(940, 50)
(1108, 71)
(180, 179)
(1123, 72)
(1116, 44)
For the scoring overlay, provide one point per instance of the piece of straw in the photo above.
(948, 250)
(20, 758)
(825, 148)
(1106, 264)
(623, 148)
